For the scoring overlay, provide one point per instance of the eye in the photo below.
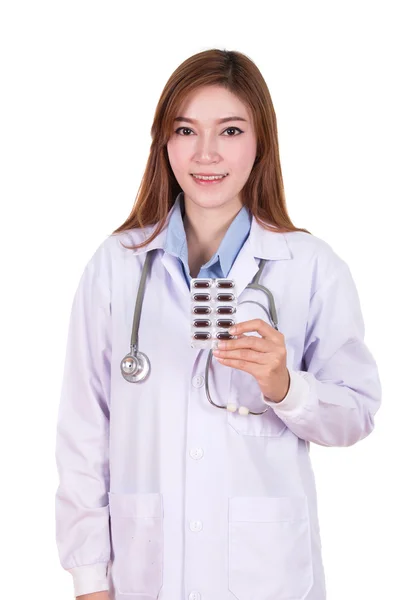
(234, 129)
(179, 129)
(228, 129)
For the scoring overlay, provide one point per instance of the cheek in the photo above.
(177, 156)
(174, 157)
(242, 157)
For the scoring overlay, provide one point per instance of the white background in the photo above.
(80, 82)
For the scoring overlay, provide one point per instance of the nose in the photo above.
(206, 147)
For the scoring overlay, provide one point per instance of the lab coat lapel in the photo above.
(174, 268)
(244, 269)
(261, 243)
(171, 263)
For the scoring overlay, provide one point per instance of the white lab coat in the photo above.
(204, 504)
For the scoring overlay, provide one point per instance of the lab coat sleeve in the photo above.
(81, 502)
(334, 400)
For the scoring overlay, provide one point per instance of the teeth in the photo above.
(209, 178)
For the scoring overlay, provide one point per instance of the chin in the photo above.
(209, 200)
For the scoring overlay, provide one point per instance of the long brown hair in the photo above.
(263, 192)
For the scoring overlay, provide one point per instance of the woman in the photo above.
(163, 495)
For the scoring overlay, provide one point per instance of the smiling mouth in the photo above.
(209, 177)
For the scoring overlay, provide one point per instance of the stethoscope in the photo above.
(135, 366)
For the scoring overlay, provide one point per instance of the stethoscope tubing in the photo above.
(135, 366)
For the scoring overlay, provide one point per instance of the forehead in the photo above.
(211, 103)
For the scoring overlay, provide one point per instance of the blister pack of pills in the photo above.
(213, 311)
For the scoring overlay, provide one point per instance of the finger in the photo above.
(258, 325)
(241, 365)
(247, 355)
(259, 344)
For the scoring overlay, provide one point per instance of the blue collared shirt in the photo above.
(221, 262)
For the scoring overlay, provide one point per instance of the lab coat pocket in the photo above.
(268, 424)
(137, 543)
(245, 391)
(270, 552)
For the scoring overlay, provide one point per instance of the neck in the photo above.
(205, 227)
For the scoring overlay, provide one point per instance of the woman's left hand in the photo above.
(263, 357)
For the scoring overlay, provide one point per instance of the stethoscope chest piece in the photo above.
(135, 367)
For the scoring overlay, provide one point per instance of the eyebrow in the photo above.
(224, 120)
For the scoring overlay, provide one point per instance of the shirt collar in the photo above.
(176, 244)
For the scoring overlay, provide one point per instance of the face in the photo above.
(200, 143)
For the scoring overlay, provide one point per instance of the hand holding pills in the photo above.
(263, 357)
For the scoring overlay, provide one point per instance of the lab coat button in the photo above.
(194, 596)
(195, 525)
(198, 381)
(196, 453)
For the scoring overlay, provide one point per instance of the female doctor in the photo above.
(194, 480)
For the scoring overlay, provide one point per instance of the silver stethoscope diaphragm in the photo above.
(135, 367)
